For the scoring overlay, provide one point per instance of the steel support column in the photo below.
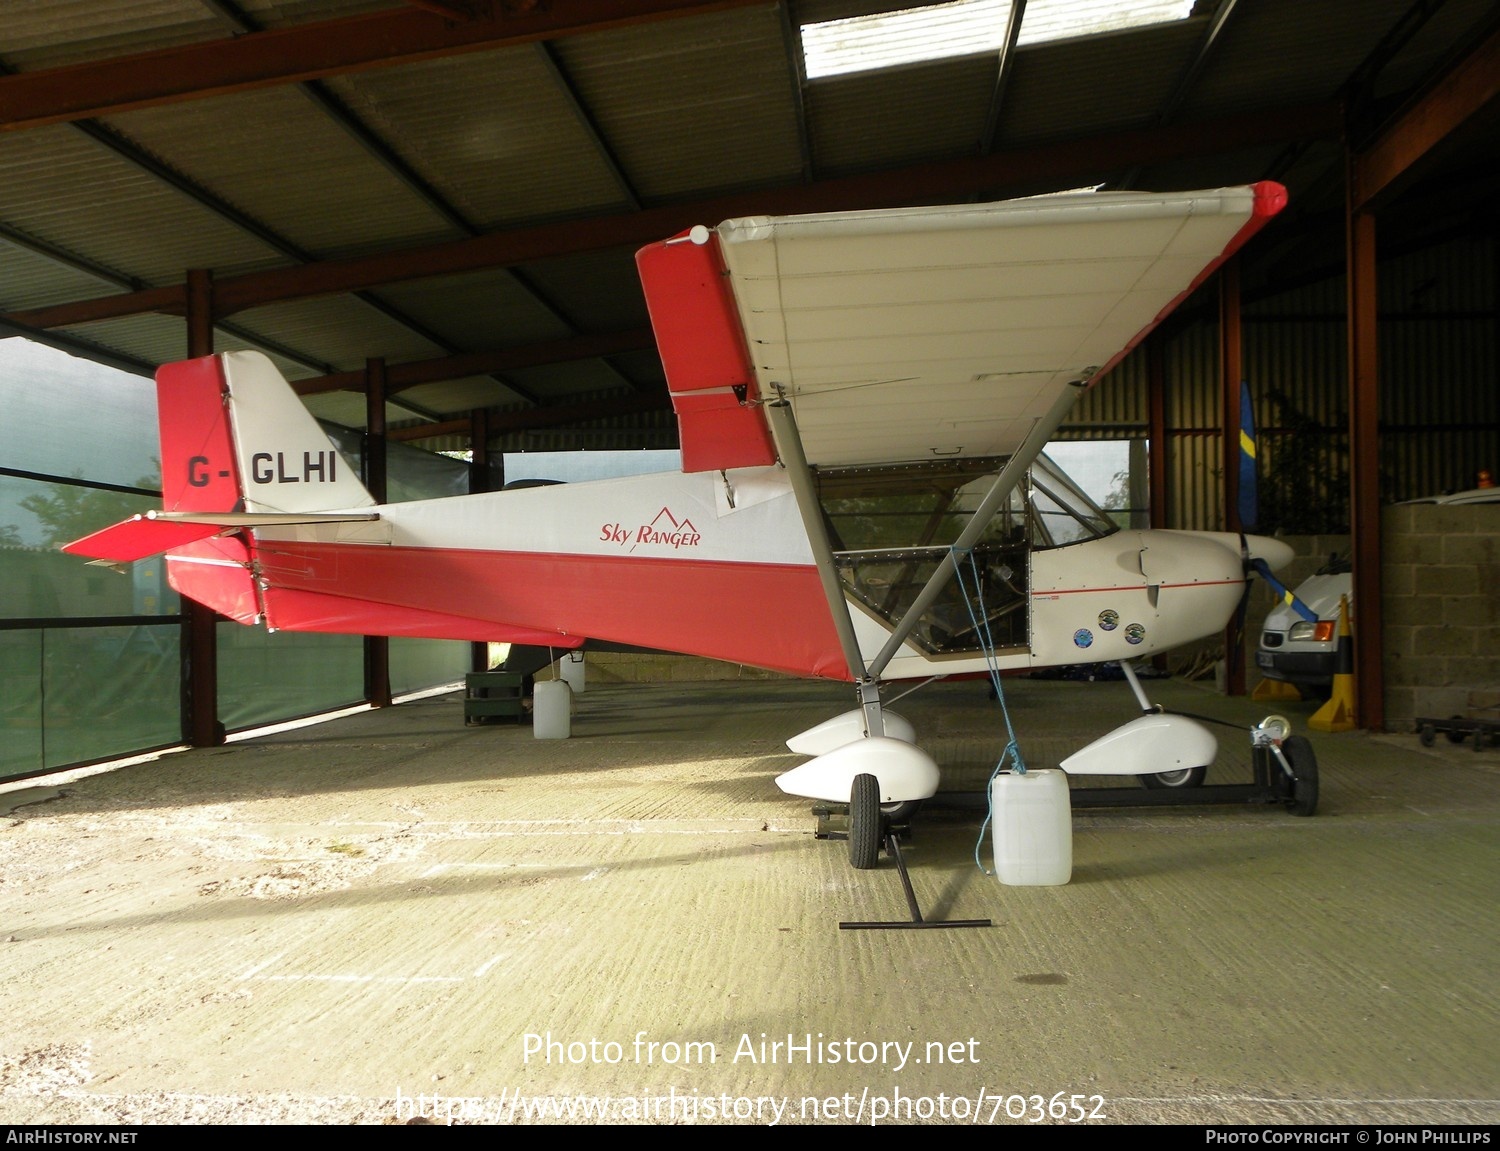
(479, 481)
(1364, 474)
(1231, 371)
(1156, 428)
(377, 647)
(200, 647)
(1158, 442)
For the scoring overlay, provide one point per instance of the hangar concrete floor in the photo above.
(393, 914)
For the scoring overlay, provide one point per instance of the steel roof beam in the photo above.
(385, 155)
(565, 87)
(562, 415)
(1212, 37)
(306, 52)
(1005, 64)
(413, 373)
(791, 41)
(1464, 90)
(1359, 89)
(61, 256)
(925, 183)
(1208, 43)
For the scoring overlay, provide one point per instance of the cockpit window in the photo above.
(1059, 513)
(929, 504)
(891, 526)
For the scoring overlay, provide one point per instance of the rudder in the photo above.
(198, 471)
(285, 460)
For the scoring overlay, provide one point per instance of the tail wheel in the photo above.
(864, 822)
(1187, 777)
(1304, 764)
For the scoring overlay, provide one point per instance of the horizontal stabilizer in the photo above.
(156, 532)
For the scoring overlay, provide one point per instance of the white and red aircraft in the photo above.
(863, 399)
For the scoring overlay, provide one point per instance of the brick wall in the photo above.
(1441, 576)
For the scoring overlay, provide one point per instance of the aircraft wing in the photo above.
(920, 333)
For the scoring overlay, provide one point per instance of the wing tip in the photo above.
(1270, 198)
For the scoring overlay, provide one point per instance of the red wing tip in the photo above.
(1270, 198)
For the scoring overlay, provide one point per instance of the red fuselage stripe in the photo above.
(766, 615)
(1131, 587)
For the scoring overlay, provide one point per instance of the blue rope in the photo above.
(981, 625)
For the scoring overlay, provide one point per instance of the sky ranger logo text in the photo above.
(666, 530)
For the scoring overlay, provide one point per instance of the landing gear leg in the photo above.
(1187, 776)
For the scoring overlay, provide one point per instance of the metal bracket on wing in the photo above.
(1010, 475)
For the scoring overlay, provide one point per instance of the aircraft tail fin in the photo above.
(238, 451)
(235, 437)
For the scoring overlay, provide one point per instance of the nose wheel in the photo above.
(864, 822)
(870, 820)
(872, 826)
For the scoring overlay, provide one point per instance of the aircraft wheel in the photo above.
(1304, 763)
(1187, 777)
(864, 822)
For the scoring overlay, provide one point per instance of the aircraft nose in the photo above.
(1275, 553)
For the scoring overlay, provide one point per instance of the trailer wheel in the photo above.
(864, 822)
(1304, 763)
(1186, 777)
(1427, 734)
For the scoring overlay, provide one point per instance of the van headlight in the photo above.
(1321, 631)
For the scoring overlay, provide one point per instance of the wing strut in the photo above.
(789, 447)
(1010, 475)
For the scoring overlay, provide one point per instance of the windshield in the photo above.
(929, 504)
(1059, 512)
(891, 526)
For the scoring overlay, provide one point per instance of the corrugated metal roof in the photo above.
(60, 186)
(590, 128)
(58, 32)
(32, 280)
(491, 132)
(871, 120)
(277, 156)
(489, 309)
(1060, 87)
(1294, 51)
(694, 105)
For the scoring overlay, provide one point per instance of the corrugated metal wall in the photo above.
(1439, 380)
(1440, 395)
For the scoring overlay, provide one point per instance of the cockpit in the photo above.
(891, 527)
